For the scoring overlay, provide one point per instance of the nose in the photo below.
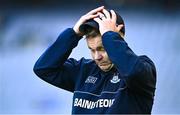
(98, 56)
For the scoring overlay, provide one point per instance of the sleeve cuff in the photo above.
(109, 34)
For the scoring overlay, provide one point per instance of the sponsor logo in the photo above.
(91, 79)
(83, 103)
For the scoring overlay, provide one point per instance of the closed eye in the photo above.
(100, 49)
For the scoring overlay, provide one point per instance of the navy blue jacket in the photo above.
(129, 87)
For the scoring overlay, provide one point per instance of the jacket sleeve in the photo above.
(137, 71)
(54, 67)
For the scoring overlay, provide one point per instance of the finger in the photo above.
(97, 20)
(101, 15)
(96, 10)
(107, 14)
(91, 16)
(113, 14)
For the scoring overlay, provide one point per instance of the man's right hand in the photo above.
(90, 15)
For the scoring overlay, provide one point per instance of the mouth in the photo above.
(106, 66)
(103, 64)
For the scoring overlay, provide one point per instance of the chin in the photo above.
(106, 68)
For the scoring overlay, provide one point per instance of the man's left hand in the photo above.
(107, 21)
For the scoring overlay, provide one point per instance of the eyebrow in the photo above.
(99, 47)
(89, 47)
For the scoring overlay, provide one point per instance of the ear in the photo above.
(121, 34)
(120, 27)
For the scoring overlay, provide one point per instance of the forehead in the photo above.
(94, 42)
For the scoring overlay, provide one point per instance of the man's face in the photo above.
(98, 53)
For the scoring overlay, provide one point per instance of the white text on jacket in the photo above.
(93, 104)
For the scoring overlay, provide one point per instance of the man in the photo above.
(116, 81)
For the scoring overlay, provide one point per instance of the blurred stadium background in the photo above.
(28, 27)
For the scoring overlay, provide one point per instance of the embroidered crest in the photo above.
(115, 79)
(91, 79)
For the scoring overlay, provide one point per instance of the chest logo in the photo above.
(91, 79)
(115, 79)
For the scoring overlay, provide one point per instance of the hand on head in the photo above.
(90, 15)
(105, 19)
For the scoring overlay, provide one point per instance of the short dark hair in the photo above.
(91, 32)
(89, 26)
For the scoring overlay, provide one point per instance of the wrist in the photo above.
(77, 31)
